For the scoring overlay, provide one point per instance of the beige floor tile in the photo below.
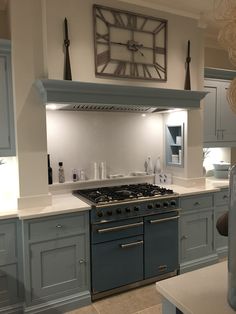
(129, 302)
(84, 310)
(156, 309)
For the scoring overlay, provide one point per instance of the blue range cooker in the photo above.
(134, 236)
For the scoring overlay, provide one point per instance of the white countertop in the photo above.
(201, 291)
(62, 203)
(66, 202)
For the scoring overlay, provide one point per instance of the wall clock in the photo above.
(129, 45)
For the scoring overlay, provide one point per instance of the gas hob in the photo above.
(127, 201)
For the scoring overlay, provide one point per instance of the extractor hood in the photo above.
(82, 96)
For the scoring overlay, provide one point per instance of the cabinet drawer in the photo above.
(57, 227)
(222, 197)
(8, 243)
(196, 202)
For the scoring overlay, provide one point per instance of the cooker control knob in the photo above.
(109, 212)
(173, 203)
(118, 211)
(150, 206)
(136, 208)
(165, 204)
(158, 205)
(100, 214)
(128, 210)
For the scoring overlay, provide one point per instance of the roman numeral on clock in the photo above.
(103, 57)
(118, 21)
(132, 21)
(159, 27)
(120, 69)
(159, 69)
(134, 69)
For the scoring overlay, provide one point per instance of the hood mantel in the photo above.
(94, 96)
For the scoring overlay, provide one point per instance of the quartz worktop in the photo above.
(201, 291)
(61, 203)
(67, 203)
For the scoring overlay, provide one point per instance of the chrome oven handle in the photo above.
(124, 246)
(118, 228)
(156, 221)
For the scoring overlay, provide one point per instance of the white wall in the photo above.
(37, 50)
(122, 140)
(80, 23)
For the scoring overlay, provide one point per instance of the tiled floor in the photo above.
(145, 300)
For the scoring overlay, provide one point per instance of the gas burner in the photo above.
(122, 193)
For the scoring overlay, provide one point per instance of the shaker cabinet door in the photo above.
(210, 111)
(8, 285)
(58, 266)
(196, 235)
(7, 133)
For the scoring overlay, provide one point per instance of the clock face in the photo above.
(129, 45)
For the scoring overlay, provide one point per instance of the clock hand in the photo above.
(132, 45)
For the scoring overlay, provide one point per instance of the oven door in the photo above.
(161, 244)
(118, 259)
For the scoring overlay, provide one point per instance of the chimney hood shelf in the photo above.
(73, 95)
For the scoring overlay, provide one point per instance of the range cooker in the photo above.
(134, 236)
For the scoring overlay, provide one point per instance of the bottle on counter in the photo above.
(49, 171)
(157, 168)
(103, 171)
(149, 166)
(61, 173)
(74, 175)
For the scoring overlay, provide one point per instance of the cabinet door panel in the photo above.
(196, 235)
(58, 266)
(4, 110)
(7, 243)
(228, 118)
(8, 285)
(210, 112)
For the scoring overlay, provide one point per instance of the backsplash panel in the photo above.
(122, 140)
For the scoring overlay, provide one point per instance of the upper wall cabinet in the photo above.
(219, 119)
(7, 131)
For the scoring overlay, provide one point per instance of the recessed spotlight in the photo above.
(143, 114)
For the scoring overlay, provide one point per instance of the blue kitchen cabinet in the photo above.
(56, 265)
(221, 200)
(196, 232)
(11, 288)
(219, 120)
(7, 131)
